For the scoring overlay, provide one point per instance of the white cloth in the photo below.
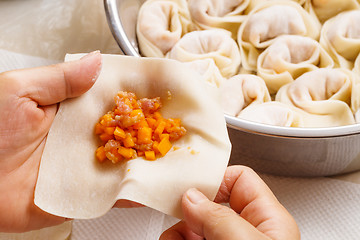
(323, 208)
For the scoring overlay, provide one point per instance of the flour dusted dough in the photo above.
(241, 91)
(288, 57)
(213, 44)
(71, 182)
(268, 21)
(160, 24)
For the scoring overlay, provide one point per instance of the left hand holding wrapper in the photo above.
(28, 104)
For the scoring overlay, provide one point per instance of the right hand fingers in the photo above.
(215, 221)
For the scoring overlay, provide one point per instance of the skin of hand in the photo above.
(28, 104)
(255, 212)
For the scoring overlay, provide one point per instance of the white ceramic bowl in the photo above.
(270, 149)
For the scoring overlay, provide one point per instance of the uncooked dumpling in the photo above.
(273, 113)
(288, 57)
(322, 92)
(224, 14)
(73, 184)
(284, 115)
(268, 21)
(340, 36)
(215, 44)
(241, 91)
(326, 9)
(208, 70)
(160, 24)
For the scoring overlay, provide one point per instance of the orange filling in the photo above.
(136, 128)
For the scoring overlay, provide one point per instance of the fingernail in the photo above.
(90, 54)
(195, 196)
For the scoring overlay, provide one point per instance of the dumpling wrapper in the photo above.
(71, 183)
(225, 14)
(215, 44)
(161, 24)
(326, 9)
(242, 90)
(340, 36)
(322, 92)
(59, 232)
(288, 57)
(268, 21)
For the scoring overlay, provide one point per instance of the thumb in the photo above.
(52, 84)
(215, 221)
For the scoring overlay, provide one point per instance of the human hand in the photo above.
(255, 212)
(28, 103)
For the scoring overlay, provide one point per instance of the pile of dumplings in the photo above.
(292, 63)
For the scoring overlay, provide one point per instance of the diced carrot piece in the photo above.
(151, 122)
(119, 132)
(142, 123)
(165, 135)
(99, 129)
(160, 128)
(157, 115)
(164, 146)
(109, 130)
(156, 146)
(150, 155)
(127, 153)
(136, 112)
(100, 154)
(140, 153)
(105, 137)
(156, 106)
(105, 119)
(129, 141)
(144, 135)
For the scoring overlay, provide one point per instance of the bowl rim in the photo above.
(118, 32)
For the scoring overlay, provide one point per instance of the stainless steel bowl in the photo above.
(268, 149)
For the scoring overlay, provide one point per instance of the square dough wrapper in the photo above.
(72, 184)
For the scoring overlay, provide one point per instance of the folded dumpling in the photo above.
(273, 113)
(288, 57)
(208, 70)
(241, 91)
(225, 14)
(284, 115)
(215, 44)
(268, 21)
(160, 24)
(322, 92)
(340, 36)
(73, 184)
(326, 9)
